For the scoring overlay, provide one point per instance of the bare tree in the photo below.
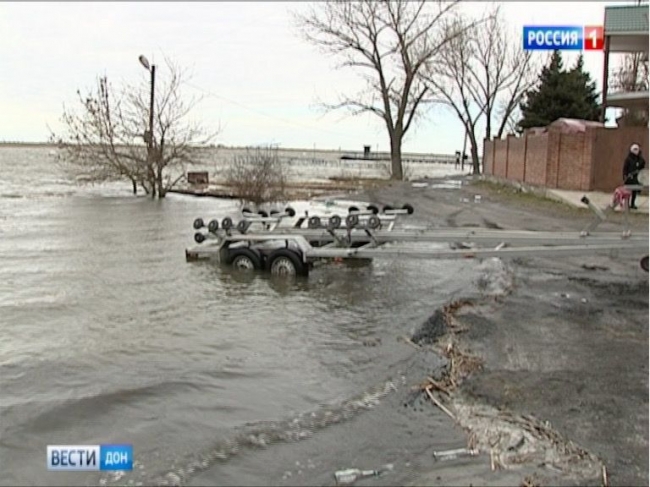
(632, 75)
(388, 42)
(482, 74)
(258, 176)
(104, 140)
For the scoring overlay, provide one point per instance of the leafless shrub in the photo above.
(258, 176)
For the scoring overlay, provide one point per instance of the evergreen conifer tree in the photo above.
(560, 93)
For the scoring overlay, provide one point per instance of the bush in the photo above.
(258, 176)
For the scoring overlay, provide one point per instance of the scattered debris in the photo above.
(439, 404)
(530, 482)
(453, 454)
(409, 341)
(510, 439)
(351, 475)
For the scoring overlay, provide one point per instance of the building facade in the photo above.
(626, 32)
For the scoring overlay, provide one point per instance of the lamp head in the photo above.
(145, 62)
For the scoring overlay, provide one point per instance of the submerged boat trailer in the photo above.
(259, 241)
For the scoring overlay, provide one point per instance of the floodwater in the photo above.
(107, 335)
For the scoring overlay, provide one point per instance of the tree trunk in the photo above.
(396, 172)
(162, 191)
(476, 166)
(488, 124)
(151, 177)
(135, 186)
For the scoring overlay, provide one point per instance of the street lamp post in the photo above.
(149, 135)
(152, 70)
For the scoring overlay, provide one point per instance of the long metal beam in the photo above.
(212, 251)
(448, 235)
(507, 252)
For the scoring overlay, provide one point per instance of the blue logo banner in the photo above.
(550, 38)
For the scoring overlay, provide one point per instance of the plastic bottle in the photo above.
(345, 477)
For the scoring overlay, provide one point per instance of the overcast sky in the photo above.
(260, 82)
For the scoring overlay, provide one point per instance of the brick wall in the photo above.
(536, 159)
(516, 158)
(500, 160)
(571, 165)
(589, 161)
(553, 158)
(610, 148)
(488, 156)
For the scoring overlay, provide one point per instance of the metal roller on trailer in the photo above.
(260, 241)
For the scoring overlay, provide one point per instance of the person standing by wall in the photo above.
(633, 164)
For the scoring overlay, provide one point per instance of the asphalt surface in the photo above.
(566, 344)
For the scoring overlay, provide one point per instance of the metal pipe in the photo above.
(151, 105)
(605, 78)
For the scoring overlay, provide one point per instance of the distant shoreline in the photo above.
(224, 147)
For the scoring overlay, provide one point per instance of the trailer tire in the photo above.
(290, 211)
(351, 221)
(244, 259)
(373, 208)
(263, 214)
(644, 263)
(198, 224)
(353, 209)
(334, 222)
(409, 209)
(274, 212)
(199, 237)
(213, 226)
(246, 210)
(226, 224)
(286, 262)
(387, 208)
(374, 222)
(314, 222)
(242, 226)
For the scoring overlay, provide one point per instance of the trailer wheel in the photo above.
(226, 224)
(334, 222)
(263, 214)
(286, 262)
(353, 209)
(199, 237)
(373, 208)
(388, 208)
(644, 263)
(246, 210)
(274, 212)
(290, 211)
(351, 221)
(244, 260)
(213, 226)
(314, 222)
(408, 208)
(242, 226)
(198, 223)
(374, 222)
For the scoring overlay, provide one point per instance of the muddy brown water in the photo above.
(107, 335)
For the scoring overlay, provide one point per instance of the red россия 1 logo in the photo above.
(593, 38)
